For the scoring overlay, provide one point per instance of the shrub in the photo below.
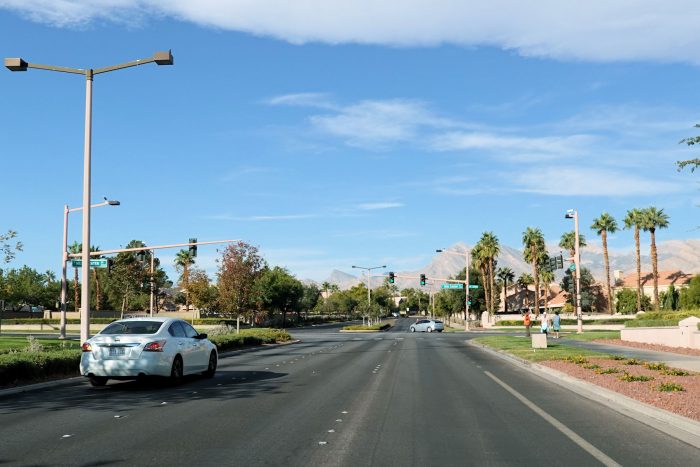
(579, 360)
(591, 366)
(30, 366)
(656, 366)
(607, 371)
(618, 357)
(374, 327)
(671, 387)
(675, 372)
(633, 361)
(632, 378)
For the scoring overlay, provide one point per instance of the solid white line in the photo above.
(588, 447)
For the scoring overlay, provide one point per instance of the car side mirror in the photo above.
(202, 336)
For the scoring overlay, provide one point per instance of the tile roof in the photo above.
(666, 278)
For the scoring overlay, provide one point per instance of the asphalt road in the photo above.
(385, 399)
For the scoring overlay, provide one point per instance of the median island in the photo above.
(362, 328)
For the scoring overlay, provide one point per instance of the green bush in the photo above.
(249, 337)
(656, 366)
(634, 361)
(675, 372)
(632, 378)
(607, 371)
(669, 316)
(374, 327)
(652, 323)
(32, 366)
(671, 387)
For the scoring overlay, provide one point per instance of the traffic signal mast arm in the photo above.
(158, 247)
(398, 276)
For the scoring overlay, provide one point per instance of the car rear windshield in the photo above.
(133, 327)
(438, 321)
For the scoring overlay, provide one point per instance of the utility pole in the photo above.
(573, 214)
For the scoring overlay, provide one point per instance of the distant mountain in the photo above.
(674, 255)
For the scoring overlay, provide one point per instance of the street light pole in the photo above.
(64, 257)
(466, 281)
(18, 64)
(369, 285)
(573, 214)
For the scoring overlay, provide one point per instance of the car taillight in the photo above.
(155, 346)
(87, 347)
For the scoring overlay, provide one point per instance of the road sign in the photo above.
(94, 263)
(452, 286)
(473, 286)
(572, 267)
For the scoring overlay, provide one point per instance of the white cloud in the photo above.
(383, 205)
(494, 142)
(303, 99)
(582, 181)
(561, 29)
(283, 217)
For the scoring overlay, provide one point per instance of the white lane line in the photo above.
(585, 445)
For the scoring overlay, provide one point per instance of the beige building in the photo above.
(678, 279)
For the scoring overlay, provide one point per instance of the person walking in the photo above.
(544, 322)
(527, 322)
(556, 324)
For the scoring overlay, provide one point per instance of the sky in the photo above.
(332, 134)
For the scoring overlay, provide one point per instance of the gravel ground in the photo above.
(658, 348)
(686, 402)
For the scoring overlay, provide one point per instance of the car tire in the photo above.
(413, 329)
(430, 329)
(439, 330)
(176, 371)
(211, 369)
(98, 381)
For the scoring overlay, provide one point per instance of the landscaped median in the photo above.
(362, 328)
(29, 360)
(656, 384)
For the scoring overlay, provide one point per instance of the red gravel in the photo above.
(658, 348)
(686, 403)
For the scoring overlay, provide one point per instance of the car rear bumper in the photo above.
(151, 365)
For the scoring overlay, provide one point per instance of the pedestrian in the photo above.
(526, 322)
(544, 322)
(556, 324)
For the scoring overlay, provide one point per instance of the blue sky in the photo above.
(332, 134)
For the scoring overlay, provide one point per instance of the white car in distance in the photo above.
(139, 347)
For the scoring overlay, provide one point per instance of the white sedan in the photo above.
(138, 347)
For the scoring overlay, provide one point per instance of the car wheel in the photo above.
(413, 329)
(176, 370)
(439, 330)
(430, 329)
(98, 381)
(211, 369)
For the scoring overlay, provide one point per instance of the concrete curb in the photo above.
(681, 428)
(76, 380)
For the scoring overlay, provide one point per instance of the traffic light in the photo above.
(469, 300)
(110, 265)
(141, 255)
(391, 277)
(552, 264)
(193, 248)
(560, 262)
(422, 279)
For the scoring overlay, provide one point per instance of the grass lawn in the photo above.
(9, 343)
(590, 335)
(522, 347)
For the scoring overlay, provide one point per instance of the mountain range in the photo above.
(673, 255)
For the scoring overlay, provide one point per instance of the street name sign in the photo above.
(572, 267)
(473, 286)
(94, 263)
(452, 286)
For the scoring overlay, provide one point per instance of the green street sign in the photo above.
(452, 286)
(473, 286)
(94, 263)
(572, 267)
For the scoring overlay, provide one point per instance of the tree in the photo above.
(524, 281)
(692, 163)
(533, 253)
(76, 248)
(310, 298)
(590, 292)
(670, 299)
(690, 296)
(490, 250)
(480, 263)
(634, 220)
(280, 291)
(603, 225)
(652, 219)
(547, 277)
(202, 292)
(239, 268)
(626, 302)
(7, 249)
(506, 275)
(568, 242)
(127, 283)
(183, 260)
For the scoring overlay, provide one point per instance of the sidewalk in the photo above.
(683, 362)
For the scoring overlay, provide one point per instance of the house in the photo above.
(678, 279)
(520, 300)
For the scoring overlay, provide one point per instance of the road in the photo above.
(385, 399)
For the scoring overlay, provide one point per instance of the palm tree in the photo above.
(633, 219)
(568, 242)
(506, 275)
(183, 260)
(97, 279)
(533, 241)
(602, 225)
(547, 277)
(525, 280)
(76, 248)
(479, 261)
(491, 249)
(653, 219)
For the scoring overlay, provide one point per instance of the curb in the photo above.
(677, 426)
(76, 380)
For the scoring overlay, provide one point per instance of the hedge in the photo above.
(511, 322)
(672, 316)
(361, 327)
(57, 321)
(28, 367)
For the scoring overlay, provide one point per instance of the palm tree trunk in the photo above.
(492, 285)
(97, 290)
(639, 269)
(655, 268)
(482, 269)
(604, 237)
(76, 290)
(505, 295)
(536, 278)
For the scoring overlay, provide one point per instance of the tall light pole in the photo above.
(466, 281)
(64, 256)
(573, 214)
(369, 285)
(18, 64)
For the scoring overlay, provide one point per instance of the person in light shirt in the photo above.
(544, 322)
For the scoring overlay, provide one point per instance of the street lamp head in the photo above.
(113, 202)
(354, 266)
(569, 214)
(163, 58)
(438, 251)
(15, 64)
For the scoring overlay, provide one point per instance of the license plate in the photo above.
(116, 351)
